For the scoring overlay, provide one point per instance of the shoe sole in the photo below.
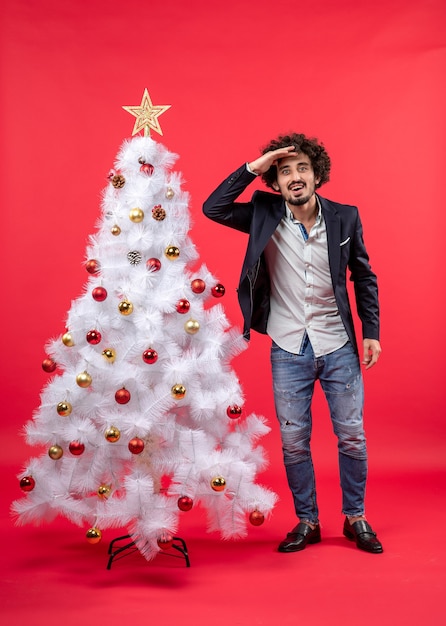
(301, 547)
(351, 537)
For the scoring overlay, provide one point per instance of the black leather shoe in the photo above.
(299, 537)
(362, 533)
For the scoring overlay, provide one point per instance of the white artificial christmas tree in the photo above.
(144, 416)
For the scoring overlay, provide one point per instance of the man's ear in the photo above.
(275, 186)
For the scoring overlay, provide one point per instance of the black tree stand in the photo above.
(119, 552)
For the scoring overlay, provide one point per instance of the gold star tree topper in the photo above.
(147, 115)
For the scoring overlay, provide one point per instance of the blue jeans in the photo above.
(340, 377)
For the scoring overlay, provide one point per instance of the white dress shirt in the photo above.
(302, 297)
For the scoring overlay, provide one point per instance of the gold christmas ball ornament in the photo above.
(104, 491)
(93, 535)
(218, 483)
(125, 307)
(170, 193)
(64, 408)
(116, 231)
(112, 434)
(136, 215)
(109, 355)
(178, 391)
(172, 253)
(84, 379)
(55, 452)
(192, 327)
(67, 339)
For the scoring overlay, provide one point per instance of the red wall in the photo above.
(367, 78)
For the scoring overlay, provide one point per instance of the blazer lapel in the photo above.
(265, 223)
(272, 218)
(333, 225)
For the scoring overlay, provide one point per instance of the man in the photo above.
(293, 287)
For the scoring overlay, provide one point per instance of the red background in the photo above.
(365, 78)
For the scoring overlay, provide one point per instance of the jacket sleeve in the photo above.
(221, 207)
(365, 285)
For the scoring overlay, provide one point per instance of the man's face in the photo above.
(295, 179)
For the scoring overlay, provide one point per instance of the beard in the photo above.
(301, 200)
(309, 190)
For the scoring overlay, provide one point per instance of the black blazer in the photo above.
(260, 218)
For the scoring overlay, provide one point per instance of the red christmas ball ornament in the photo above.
(94, 337)
(99, 294)
(183, 305)
(234, 411)
(76, 448)
(153, 265)
(165, 541)
(49, 365)
(198, 285)
(185, 503)
(256, 518)
(136, 445)
(218, 291)
(150, 356)
(122, 396)
(27, 483)
(92, 266)
(147, 168)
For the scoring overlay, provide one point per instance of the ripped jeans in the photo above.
(340, 377)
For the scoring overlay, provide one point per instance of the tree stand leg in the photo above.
(125, 550)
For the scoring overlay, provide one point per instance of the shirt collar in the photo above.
(291, 217)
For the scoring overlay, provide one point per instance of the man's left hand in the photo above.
(372, 350)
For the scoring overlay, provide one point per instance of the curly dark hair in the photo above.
(308, 145)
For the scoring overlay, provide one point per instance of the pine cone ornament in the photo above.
(118, 181)
(134, 257)
(158, 213)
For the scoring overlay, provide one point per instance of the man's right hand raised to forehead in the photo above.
(264, 162)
